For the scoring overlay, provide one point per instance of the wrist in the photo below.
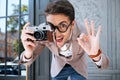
(97, 56)
(96, 59)
(26, 59)
(27, 55)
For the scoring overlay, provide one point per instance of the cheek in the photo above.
(67, 34)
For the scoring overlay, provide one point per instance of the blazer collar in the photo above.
(73, 40)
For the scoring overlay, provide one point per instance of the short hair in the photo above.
(61, 7)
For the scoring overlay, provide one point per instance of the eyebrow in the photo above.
(58, 24)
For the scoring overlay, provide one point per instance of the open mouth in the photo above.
(59, 40)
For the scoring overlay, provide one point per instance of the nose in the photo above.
(57, 32)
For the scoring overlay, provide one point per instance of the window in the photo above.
(13, 15)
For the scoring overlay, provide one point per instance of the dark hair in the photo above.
(61, 7)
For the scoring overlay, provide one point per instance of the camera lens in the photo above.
(39, 35)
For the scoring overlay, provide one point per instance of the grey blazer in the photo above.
(77, 61)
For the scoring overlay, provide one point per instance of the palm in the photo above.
(90, 41)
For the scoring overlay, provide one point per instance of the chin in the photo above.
(60, 44)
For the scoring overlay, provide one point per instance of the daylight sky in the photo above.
(10, 9)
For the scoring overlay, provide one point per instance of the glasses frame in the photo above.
(56, 27)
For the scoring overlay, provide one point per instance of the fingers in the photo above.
(92, 28)
(80, 42)
(29, 43)
(26, 33)
(84, 37)
(87, 26)
(99, 30)
(26, 25)
(26, 38)
(83, 42)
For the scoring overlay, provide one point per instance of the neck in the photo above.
(65, 47)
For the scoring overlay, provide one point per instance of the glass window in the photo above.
(13, 7)
(2, 8)
(2, 26)
(10, 28)
(25, 5)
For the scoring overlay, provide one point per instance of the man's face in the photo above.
(63, 27)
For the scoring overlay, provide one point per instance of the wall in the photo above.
(105, 13)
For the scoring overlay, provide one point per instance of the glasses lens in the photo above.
(52, 26)
(62, 27)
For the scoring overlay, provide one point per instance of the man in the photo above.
(69, 46)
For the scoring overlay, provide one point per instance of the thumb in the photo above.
(80, 42)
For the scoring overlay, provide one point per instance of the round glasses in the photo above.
(62, 27)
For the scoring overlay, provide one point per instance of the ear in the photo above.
(73, 24)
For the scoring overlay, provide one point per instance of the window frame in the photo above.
(6, 37)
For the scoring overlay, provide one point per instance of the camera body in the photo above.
(43, 32)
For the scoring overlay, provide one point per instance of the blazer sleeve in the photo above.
(104, 63)
(36, 53)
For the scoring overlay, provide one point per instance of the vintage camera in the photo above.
(43, 32)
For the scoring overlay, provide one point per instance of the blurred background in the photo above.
(15, 13)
